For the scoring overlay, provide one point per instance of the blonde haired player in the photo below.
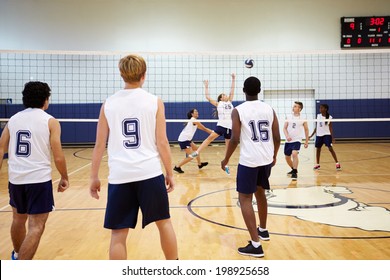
(293, 127)
(133, 122)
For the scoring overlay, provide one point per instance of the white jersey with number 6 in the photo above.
(256, 144)
(132, 148)
(29, 147)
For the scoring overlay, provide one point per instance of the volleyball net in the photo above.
(355, 85)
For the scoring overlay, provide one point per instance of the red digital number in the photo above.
(377, 21)
(359, 40)
(352, 25)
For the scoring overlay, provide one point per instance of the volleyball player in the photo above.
(324, 132)
(28, 137)
(224, 111)
(133, 122)
(292, 129)
(256, 127)
(185, 140)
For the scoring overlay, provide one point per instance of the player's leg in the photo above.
(167, 239)
(248, 214)
(262, 207)
(295, 159)
(186, 160)
(318, 144)
(153, 197)
(289, 161)
(331, 150)
(36, 227)
(200, 163)
(318, 155)
(261, 199)
(18, 229)
(205, 143)
(246, 187)
(118, 250)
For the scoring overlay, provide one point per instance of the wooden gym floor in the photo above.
(324, 215)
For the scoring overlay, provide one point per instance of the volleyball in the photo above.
(249, 63)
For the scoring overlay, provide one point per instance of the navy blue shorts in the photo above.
(226, 132)
(321, 140)
(185, 144)
(32, 198)
(125, 200)
(249, 178)
(290, 147)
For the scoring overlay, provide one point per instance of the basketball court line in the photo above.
(190, 209)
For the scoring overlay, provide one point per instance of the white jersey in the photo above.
(256, 144)
(188, 131)
(29, 153)
(322, 127)
(132, 149)
(295, 127)
(224, 110)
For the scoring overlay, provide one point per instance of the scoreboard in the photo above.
(365, 32)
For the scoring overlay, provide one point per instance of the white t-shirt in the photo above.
(132, 149)
(295, 127)
(188, 131)
(256, 144)
(29, 149)
(322, 128)
(224, 110)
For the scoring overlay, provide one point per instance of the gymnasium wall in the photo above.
(178, 25)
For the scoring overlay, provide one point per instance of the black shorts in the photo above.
(31, 199)
(185, 145)
(290, 147)
(125, 200)
(249, 178)
(223, 131)
(321, 140)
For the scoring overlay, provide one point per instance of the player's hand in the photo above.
(94, 188)
(63, 185)
(233, 76)
(170, 183)
(224, 162)
(274, 161)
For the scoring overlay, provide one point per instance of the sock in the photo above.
(16, 255)
(262, 229)
(255, 244)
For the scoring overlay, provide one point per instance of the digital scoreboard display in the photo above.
(365, 32)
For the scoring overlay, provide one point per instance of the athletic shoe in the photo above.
(194, 155)
(264, 235)
(178, 169)
(249, 250)
(202, 164)
(13, 256)
(316, 167)
(290, 173)
(294, 176)
(338, 166)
